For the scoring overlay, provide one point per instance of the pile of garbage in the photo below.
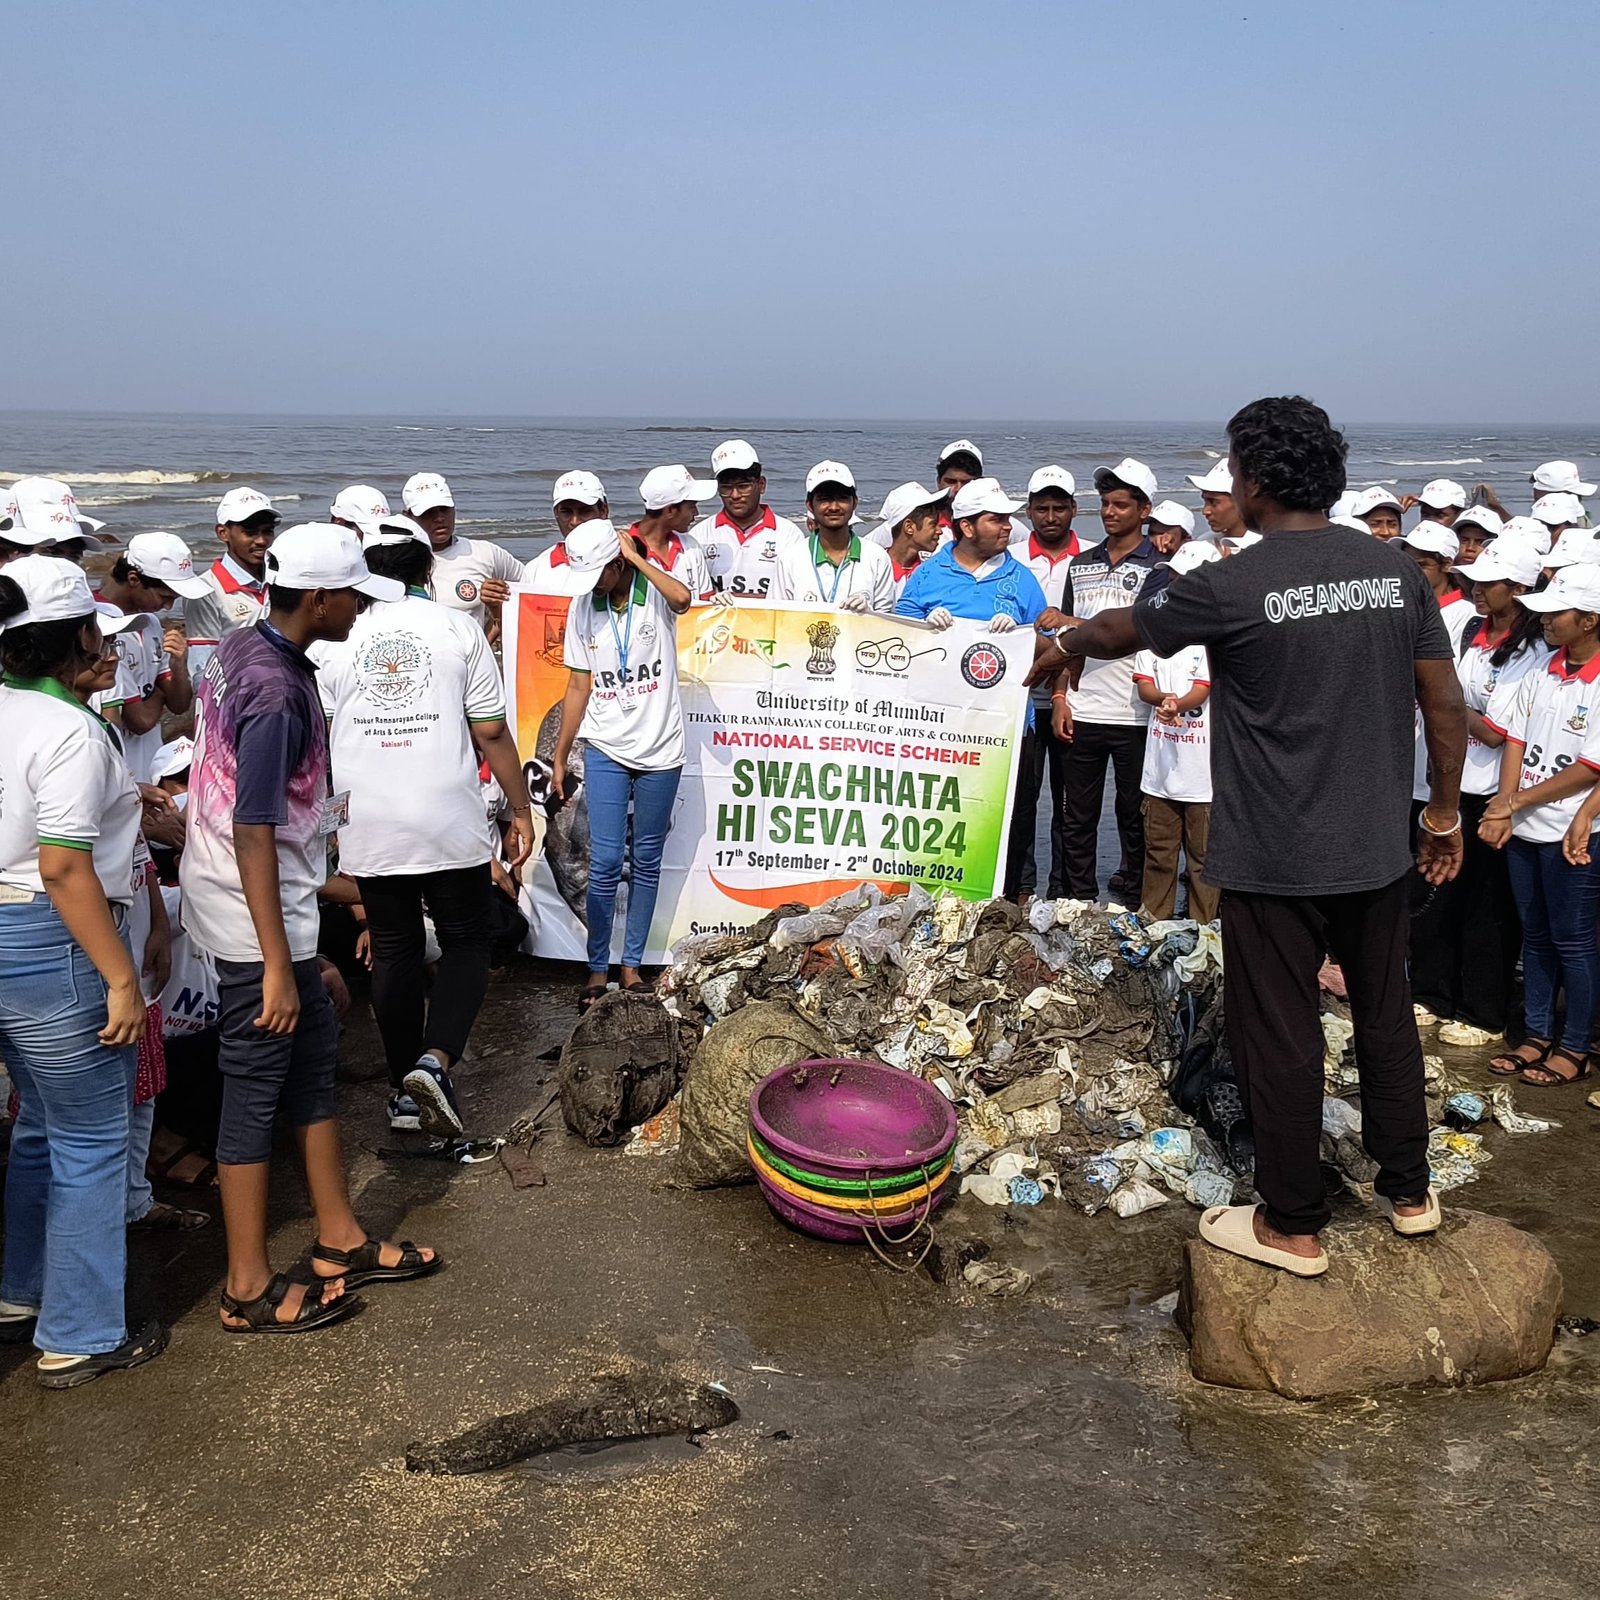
(1083, 1045)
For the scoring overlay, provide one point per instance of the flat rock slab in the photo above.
(1475, 1303)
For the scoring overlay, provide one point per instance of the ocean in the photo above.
(144, 472)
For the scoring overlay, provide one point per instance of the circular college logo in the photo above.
(395, 670)
(983, 665)
(466, 590)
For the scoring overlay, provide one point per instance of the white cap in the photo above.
(396, 530)
(1530, 531)
(44, 510)
(583, 487)
(1348, 520)
(1169, 514)
(1053, 478)
(1481, 517)
(165, 558)
(590, 548)
(1133, 473)
(1555, 510)
(239, 505)
(321, 555)
(360, 504)
(1434, 538)
(56, 591)
(1559, 477)
(1575, 588)
(733, 455)
(1217, 481)
(829, 472)
(671, 486)
(1194, 554)
(1374, 499)
(1343, 508)
(1243, 541)
(1573, 546)
(113, 619)
(1507, 560)
(1441, 493)
(963, 446)
(424, 491)
(899, 503)
(981, 495)
(175, 756)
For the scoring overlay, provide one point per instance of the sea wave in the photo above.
(138, 475)
(1458, 461)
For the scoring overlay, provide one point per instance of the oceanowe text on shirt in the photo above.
(1331, 599)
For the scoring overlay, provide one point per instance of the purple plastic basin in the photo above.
(848, 1119)
(840, 1227)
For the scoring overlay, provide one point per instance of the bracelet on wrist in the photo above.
(1439, 833)
(1060, 694)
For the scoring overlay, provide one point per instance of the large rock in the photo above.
(622, 1064)
(1474, 1303)
(735, 1055)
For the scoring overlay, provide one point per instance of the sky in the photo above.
(1150, 209)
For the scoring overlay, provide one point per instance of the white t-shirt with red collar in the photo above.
(1048, 566)
(1555, 717)
(235, 601)
(742, 561)
(686, 561)
(1490, 690)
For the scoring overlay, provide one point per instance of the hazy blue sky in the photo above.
(1147, 209)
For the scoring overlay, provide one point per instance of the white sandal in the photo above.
(1428, 1222)
(1233, 1228)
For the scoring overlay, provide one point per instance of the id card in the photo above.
(335, 814)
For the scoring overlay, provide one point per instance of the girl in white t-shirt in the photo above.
(1550, 760)
(1176, 780)
(71, 1011)
(622, 699)
(1466, 936)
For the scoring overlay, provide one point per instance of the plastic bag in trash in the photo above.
(1504, 1111)
(809, 929)
(1339, 1117)
(1209, 1189)
(1089, 1185)
(1169, 1154)
(1024, 1191)
(1136, 1196)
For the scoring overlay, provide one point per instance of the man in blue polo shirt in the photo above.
(975, 575)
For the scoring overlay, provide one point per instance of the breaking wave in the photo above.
(138, 475)
(1459, 461)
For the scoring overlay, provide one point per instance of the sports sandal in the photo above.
(134, 1351)
(1233, 1228)
(162, 1218)
(1547, 1076)
(261, 1314)
(364, 1263)
(1512, 1063)
(1428, 1222)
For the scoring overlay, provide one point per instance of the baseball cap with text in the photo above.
(734, 455)
(1559, 477)
(671, 486)
(424, 491)
(1135, 474)
(829, 472)
(322, 555)
(239, 505)
(1575, 588)
(584, 487)
(980, 496)
(1053, 477)
(164, 558)
(361, 504)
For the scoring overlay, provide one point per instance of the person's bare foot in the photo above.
(390, 1255)
(1297, 1244)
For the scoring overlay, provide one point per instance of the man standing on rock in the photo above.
(1319, 640)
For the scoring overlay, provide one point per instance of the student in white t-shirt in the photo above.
(621, 651)
(1550, 762)
(71, 1010)
(469, 575)
(664, 528)
(742, 541)
(909, 529)
(1177, 768)
(575, 497)
(413, 699)
(834, 566)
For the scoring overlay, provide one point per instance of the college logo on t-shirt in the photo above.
(982, 665)
(466, 590)
(395, 670)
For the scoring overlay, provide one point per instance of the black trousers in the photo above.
(458, 901)
(1041, 751)
(1466, 935)
(1274, 946)
(1094, 744)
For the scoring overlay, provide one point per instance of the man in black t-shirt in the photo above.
(1320, 639)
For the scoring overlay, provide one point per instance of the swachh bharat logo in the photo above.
(982, 665)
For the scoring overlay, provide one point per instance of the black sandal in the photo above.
(1514, 1065)
(588, 995)
(1551, 1079)
(134, 1351)
(364, 1264)
(261, 1314)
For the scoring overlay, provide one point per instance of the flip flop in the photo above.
(1428, 1222)
(1232, 1228)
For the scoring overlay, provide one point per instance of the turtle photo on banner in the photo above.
(824, 749)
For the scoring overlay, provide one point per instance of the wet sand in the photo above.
(898, 1438)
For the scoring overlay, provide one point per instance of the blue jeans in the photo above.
(609, 789)
(67, 1183)
(1557, 903)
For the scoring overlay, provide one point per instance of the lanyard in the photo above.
(622, 637)
(818, 560)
